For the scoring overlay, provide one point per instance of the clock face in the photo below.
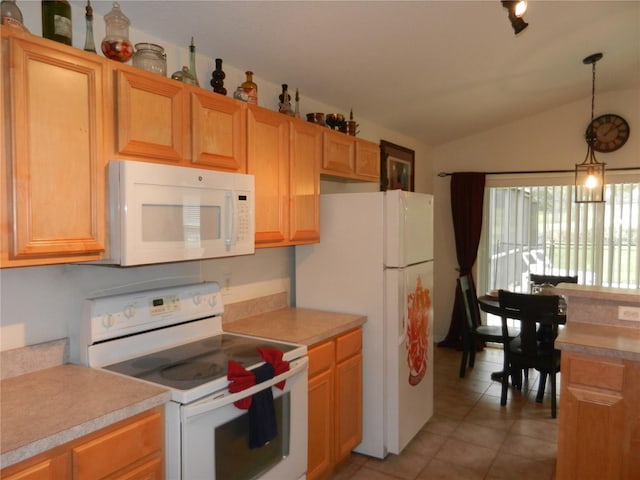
(611, 132)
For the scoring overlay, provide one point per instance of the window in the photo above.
(538, 228)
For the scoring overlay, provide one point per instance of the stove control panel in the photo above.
(116, 316)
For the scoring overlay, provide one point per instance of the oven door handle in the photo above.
(221, 399)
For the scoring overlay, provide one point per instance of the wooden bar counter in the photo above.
(599, 415)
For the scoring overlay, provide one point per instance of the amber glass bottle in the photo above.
(56, 21)
(250, 88)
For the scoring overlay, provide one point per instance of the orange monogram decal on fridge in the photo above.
(419, 303)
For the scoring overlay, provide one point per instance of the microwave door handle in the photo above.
(225, 398)
(230, 219)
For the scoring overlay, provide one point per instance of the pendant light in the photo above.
(590, 173)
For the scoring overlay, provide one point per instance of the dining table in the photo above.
(490, 303)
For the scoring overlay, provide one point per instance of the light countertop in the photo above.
(601, 340)
(296, 325)
(50, 407)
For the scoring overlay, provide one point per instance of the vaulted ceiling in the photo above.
(436, 70)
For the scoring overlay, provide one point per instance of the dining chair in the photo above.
(473, 331)
(554, 280)
(530, 349)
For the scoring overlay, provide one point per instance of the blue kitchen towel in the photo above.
(262, 414)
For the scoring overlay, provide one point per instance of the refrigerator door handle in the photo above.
(402, 333)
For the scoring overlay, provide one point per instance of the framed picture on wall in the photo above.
(397, 167)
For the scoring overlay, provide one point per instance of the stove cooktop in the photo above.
(194, 364)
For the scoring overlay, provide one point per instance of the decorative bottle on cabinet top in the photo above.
(56, 21)
(192, 62)
(217, 78)
(11, 15)
(250, 88)
(89, 45)
(116, 44)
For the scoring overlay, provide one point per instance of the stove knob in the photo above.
(212, 301)
(108, 321)
(129, 311)
(197, 299)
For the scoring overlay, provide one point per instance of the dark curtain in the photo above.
(467, 196)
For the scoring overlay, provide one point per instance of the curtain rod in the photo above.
(448, 174)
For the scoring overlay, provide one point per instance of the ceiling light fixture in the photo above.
(517, 9)
(590, 173)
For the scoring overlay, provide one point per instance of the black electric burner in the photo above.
(193, 364)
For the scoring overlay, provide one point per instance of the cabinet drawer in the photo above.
(596, 372)
(348, 344)
(321, 358)
(119, 448)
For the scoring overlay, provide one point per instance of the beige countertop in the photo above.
(296, 325)
(47, 408)
(601, 340)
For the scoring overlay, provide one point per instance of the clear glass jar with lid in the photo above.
(150, 57)
(116, 44)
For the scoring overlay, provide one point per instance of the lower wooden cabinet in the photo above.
(335, 402)
(129, 450)
(599, 418)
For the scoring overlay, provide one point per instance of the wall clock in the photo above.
(611, 132)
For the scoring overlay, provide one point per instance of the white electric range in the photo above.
(174, 337)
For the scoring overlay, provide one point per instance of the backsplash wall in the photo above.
(39, 304)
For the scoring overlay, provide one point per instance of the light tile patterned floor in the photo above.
(470, 436)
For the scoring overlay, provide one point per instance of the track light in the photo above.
(517, 9)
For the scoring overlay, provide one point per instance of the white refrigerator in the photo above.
(375, 258)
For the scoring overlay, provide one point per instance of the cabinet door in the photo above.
(304, 182)
(367, 160)
(54, 166)
(135, 446)
(217, 131)
(268, 160)
(151, 116)
(319, 460)
(599, 424)
(338, 156)
(348, 406)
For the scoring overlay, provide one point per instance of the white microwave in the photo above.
(166, 213)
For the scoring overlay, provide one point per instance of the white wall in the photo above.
(38, 304)
(553, 140)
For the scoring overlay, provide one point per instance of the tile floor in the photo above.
(470, 436)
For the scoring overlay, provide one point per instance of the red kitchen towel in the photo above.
(262, 416)
(241, 378)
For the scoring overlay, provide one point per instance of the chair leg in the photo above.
(472, 354)
(552, 379)
(463, 363)
(505, 379)
(541, 385)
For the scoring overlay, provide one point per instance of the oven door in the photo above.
(215, 434)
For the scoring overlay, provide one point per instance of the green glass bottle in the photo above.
(56, 21)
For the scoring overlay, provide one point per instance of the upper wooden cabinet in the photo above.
(350, 157)
(304, 182)
(160, 119)
(284, 153)
(218, 131)
(52, 172)
(151, 116)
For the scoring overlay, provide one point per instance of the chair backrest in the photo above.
(470, 302)
(552, 279)
(530, 309)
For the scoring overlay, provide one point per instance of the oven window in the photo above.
(234, 458)
(191, 224)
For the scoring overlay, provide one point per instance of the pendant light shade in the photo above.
(589, 179)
